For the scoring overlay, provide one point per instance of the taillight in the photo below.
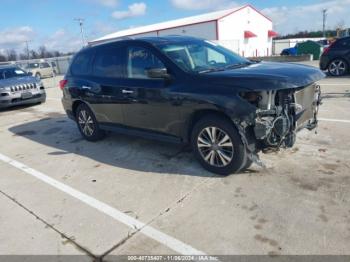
(63, 83)
(326, 50)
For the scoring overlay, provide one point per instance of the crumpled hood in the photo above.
(268, 76)
(18, 81)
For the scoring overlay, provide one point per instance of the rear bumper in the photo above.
(10, 100)
(324, 62)
(67, 106)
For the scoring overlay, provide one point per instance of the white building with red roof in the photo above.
(244, 30)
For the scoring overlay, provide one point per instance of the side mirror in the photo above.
(30, 73)
(157, 73)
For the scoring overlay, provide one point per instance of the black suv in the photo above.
(191, 91)
(336, 57)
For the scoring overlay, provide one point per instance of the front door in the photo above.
(148, 101)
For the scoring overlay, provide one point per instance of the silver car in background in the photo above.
(18, 87)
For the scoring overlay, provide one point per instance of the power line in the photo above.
(81, 24)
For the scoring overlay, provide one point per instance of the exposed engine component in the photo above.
(280, 114)
(274, 123)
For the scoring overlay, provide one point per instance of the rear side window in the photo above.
(44, 65)
(108, 63)
(343, 43)
(81, 64)
(34, 65)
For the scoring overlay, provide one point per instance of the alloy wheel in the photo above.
(215, 146)
(337, 67)
(86, 123)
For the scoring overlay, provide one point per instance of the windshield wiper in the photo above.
(234, 66)
(223, 68)
(209, 70)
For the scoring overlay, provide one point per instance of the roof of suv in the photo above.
(151, 40)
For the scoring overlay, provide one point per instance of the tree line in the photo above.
(308, 34)
(41, 52)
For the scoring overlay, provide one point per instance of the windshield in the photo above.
(6, 73)
(202, 56)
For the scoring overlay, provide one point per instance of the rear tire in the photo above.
(218, 146)
(87, 124)
(38, 75)
(338, 67)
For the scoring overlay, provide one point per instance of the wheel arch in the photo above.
(198, 115)
(75, 105)
(339, 58)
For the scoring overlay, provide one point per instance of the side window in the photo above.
(33, 66)
(139, 60)
(347, 43)
(44, 65)
(81, 64)
(108, 63)
(343, 43)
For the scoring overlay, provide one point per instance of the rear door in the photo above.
(106, 96)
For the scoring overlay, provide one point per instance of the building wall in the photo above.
(232, 27)
(205, 30)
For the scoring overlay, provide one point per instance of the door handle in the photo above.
(86, 87)
(125, 91)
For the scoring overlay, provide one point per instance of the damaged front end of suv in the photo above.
(280, 114)
(268, 104)
(272, 113)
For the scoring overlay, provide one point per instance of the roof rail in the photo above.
(96, 43)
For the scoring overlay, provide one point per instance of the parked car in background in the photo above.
(290, 51)
(41, 69)
(18, 87)
(308, 47)
(191, 91)
(336, 58)
(323, 42)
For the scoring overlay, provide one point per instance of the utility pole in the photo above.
(81, 24)
(27, 48)
(324, 12)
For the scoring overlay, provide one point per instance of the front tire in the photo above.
(338, 67)
(218, 146)
(87, 124)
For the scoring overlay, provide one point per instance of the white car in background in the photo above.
(41, 69)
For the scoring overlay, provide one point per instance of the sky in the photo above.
(52, 22)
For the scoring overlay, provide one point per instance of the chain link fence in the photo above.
(59, 64)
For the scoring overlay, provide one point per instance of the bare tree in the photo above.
(340, 24)
(11, 55)
(3, 58)
(42, 51)
(56, 53)
(34, 54)
(23, 55)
